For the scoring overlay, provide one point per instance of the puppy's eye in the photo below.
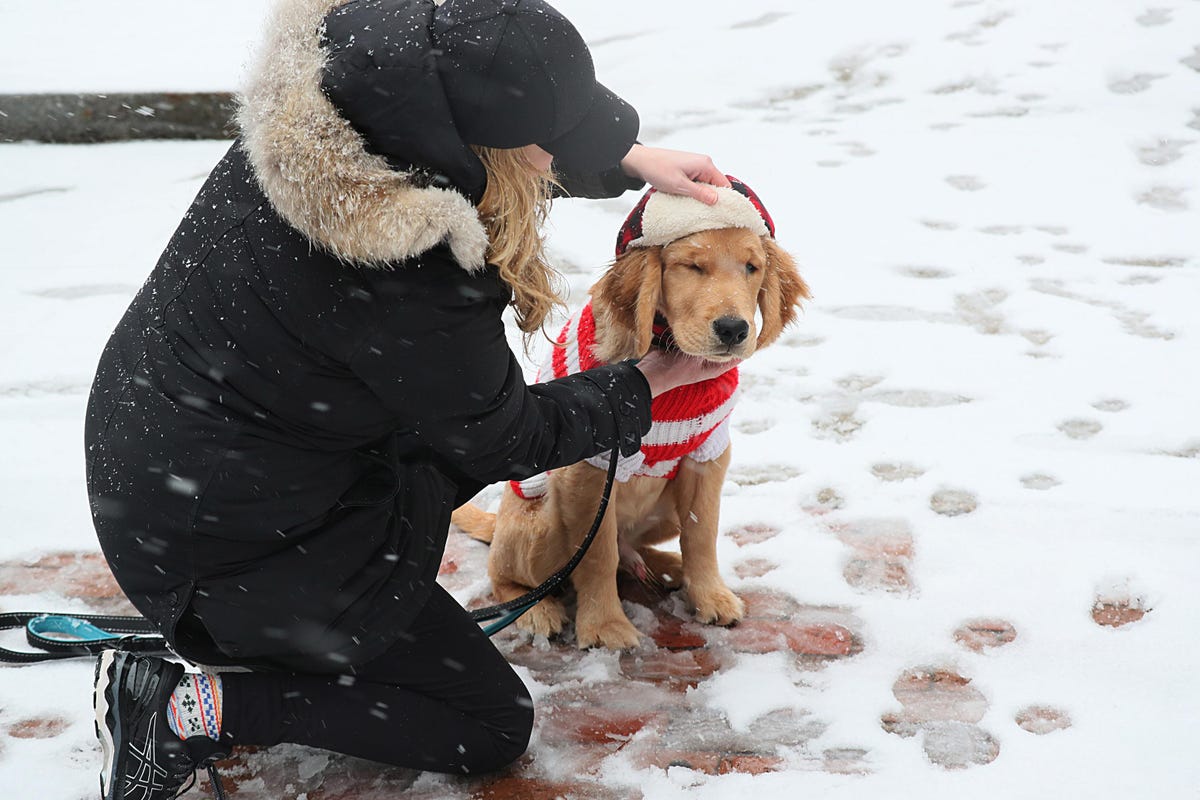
(696, 268)
(751, 269)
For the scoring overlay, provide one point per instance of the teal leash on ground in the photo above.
(60, 636)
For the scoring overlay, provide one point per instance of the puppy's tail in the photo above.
(475, 522)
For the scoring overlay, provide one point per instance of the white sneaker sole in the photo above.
(100, 703)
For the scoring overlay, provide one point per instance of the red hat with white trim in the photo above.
(660, 218)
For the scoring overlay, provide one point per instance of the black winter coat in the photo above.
(314, 375)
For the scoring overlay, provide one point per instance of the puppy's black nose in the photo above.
(731, 330)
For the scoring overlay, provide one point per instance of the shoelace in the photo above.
(213, 776)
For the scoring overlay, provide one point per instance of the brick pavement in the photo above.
(639, 709)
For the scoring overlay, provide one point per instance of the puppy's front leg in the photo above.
(599, 618)
(699, 505)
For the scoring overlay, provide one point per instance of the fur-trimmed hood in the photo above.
(316, 169)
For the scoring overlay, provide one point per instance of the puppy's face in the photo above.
(710, 287)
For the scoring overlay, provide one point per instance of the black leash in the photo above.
(510, 611)
(61, 636)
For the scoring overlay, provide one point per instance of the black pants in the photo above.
(443, 699)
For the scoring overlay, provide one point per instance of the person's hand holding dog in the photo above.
(669, 369)
(675, 172)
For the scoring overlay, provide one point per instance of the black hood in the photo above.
(382, 75)
(320, 172)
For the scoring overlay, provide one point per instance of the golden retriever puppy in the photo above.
(690, 277)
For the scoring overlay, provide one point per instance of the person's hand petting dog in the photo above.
(675, 172)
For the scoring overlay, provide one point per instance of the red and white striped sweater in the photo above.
(691, 420)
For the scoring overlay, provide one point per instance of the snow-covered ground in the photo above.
(995, 203)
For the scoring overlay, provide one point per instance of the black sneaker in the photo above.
(143, 758)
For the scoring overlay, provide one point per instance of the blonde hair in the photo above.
(513, 208)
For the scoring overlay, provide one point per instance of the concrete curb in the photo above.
(117, 117)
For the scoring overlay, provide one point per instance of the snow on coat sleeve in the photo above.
(437, 356)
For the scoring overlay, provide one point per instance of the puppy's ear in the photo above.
(624, 301)
(781, 292)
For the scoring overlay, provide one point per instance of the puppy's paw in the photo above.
(716, 605)
(664, 568)
(544, 619)
(615, 633)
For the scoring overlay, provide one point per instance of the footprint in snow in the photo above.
(953, 502)
(827, 499)
(1038, 337)
(839, 425)
(1192, 61)
(769, 18)
(1117, 604)
(1140, 280)
(980, 635)
(858, 383)
(38, 727)
(1162, 152)
(801, 340)
(753, 533)
(979, 310)
(887, 471)
(1001, 230)
(1187, 450)
(751, 426)
(966, 183)
(882, 313)
(983, 86)
(1003, 111)
(1134, 84)
(939, 224)
(856, 149)
(753, 567)
(925, 273)
(1110, 404)
(1080, 429)
(1164, 198)
(917, 398)
(1039, 481)
(1154, 262)
(942, 707)
(881, 554)
(1152, 17)
(756, 475)
(1040, 720)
